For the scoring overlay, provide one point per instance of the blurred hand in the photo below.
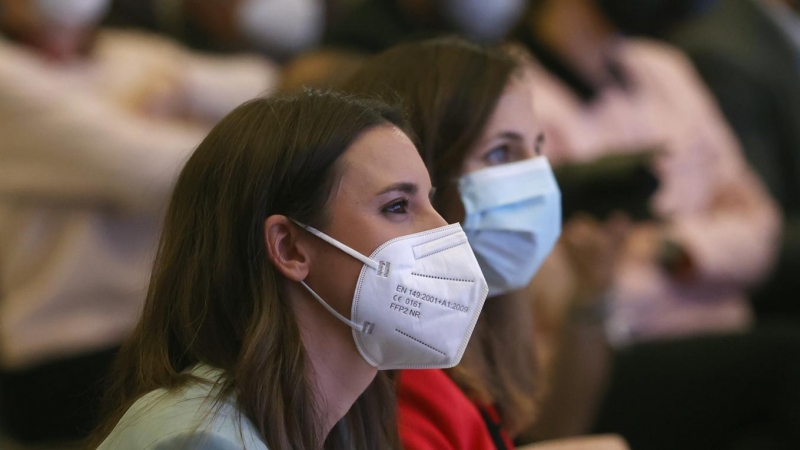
(593, 249)
(649, 244)
(643, 242)
(161, 93)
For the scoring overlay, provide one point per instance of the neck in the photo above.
(578, 32)
(339, 372)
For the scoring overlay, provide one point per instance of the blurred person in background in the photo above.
(471, 108)
(714, 227)
(683, 272)
(95, 125)
(371, 26)
(278, 28)
(375, 25)
(748, 53)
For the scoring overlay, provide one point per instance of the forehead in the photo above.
(514, 108)
(381, 156)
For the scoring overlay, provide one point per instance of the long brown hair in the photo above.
(214, 297)
(450, 88)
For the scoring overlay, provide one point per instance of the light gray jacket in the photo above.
(186, 419)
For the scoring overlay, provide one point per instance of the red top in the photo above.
(435, 415)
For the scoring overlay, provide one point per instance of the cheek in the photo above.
(473, 163)
(336, 272)
(335, 278)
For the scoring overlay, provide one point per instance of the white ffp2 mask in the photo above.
(513, 220)
(417, 300)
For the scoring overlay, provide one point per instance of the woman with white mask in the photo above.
(471, 110)
(272, 306)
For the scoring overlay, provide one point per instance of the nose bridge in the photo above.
(432, 219)
(529, 151)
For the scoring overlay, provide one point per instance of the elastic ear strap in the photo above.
(330, 309)
(368, 262)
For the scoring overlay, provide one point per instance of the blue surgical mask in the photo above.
(513, 220)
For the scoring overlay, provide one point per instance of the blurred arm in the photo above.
(576, 381)
(215, 85)
(601, 442)
(570, 321)
(71, 146)
(734, 240)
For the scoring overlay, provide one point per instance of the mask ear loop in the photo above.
(366, 327)
(368, 262)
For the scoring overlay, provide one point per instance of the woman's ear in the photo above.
(286, 248)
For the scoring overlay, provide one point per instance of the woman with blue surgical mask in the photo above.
(472, 111)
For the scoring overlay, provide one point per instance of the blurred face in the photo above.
(59, 29)
(511, 133)
(383, 192)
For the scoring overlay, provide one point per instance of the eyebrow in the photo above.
(512, 135)
(406, 187)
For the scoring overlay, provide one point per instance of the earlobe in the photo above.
(285, 249)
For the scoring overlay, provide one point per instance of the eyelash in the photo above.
(401, 202)
(505, 148)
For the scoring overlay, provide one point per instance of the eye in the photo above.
(497, 155)
(399, 206)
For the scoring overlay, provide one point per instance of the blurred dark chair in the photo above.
(616, 183)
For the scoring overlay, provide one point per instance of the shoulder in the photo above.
(665, 72)
(195, 440)
(435, 414)
(186, 418)
(649, 54)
